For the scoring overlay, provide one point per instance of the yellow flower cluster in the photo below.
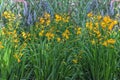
(42, 20)
(100, 28)
(66, 34)
(89, 25)
(9, 15)
(10, 34)
(14, 39)
(108, 23)
(60, 18)
(41, 33)
(59, 33)
(49, 35)
(45, 19)
(57, 29)
(78, 30)
(109, 42)
(90, 14)
(105, 22)
(94, 28)
(25, 35)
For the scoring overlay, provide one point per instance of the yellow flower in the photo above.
(97, 25)
(109, 42)
(110, 27)
(41, 33)
(21, 54)
(24, 35)
(49, 35)
(58, 39)
(90, 14)
(97, 32)
(4, 31)
(112, 24)
(16, 56)
(14, 34)
(105, 43)
(47, 22)
(5, 13)
(58, 18)
(9, 33)
(103, 25)
(67, 31)
(66, 34)
(47, 15)
(89, 25)
(42, 21)
(66, 19)
(99, 17)
(78, 30)
(16, 40)
(107, 19)
(18, 60)
(9, 15)
(115, 22)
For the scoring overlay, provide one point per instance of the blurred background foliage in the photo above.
(77, 9)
